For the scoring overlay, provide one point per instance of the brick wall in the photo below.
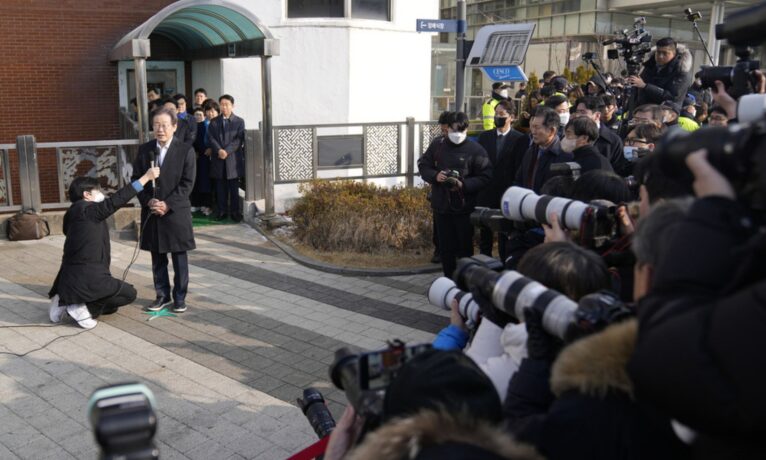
(56, 81)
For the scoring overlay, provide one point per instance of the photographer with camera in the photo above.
(666, 76)
(595, 413)
(457, 171)
(438, 405)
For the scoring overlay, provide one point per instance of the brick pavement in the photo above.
(226, 373)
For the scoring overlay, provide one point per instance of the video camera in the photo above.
(632, 46)
(596, 222)
(742, 30)
(737, 151)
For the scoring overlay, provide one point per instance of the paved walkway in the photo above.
(225, 374)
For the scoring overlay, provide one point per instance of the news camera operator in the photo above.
(666, 76)
(457, 172)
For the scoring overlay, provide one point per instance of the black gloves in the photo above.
(489, 312)
(540, 344)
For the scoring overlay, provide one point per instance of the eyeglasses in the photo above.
(634, 140)
(163, 127)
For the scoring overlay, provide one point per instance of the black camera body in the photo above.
(364, 377)
(739, 79)
(632, 46)
(453, 177)
(124, 421)
(492, 219)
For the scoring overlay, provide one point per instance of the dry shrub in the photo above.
(353, 216)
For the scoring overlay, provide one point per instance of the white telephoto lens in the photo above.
(440, 294)
(512, 200)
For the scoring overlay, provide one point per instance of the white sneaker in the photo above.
(56, 311)
(79, 312)
(194, 209)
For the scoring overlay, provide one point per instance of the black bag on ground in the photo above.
(27, 225)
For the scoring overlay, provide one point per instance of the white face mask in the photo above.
(629, 152)
(568, 145)
(564, 118)
(504, 93)
(457, 138)
(98, 197)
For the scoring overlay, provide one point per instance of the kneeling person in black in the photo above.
(457, 171)
(84, 287)
(579, 136)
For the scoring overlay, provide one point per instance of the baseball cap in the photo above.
(500, 85)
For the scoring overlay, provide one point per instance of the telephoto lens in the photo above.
(315, 409)
(512, 293)
(443, 291)
(520, 204)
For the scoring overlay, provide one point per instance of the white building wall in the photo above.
(206, 74)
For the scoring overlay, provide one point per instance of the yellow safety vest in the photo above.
(687, 124)
(488, 113)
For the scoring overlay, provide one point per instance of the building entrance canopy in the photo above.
(205, 29)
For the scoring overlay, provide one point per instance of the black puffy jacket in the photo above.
(670, 83)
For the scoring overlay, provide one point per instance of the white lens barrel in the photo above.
(512, 201)
(440, 293)
(559, 315)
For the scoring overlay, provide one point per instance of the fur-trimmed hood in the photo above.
(406, 438)
(597, 364)
(684, 59)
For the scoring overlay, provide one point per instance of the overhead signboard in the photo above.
(505, 73)
(440, 25)
(500, 45)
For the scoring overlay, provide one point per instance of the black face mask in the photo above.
(500, 122)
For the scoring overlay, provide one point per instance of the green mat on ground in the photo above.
(201, 220)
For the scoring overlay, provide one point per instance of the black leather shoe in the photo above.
(179, 307)
(237, 218)
(220, 217)
(159, 303)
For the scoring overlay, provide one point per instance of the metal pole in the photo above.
(460, 57)
(267, 134)
(410, 149)
(142, 100)
(716, 17)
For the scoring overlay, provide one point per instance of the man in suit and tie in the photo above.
(535, 168)
(165, 209)
(505, 147)
(226, 137)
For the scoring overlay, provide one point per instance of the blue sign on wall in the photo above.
(440, 25)
(505, 73)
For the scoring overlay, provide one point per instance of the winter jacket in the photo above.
(533, 176)
(498, 352)
(669, 83)
(443, 436)
(610, 146)
(590, 159)
(699, 355)
(469, 159)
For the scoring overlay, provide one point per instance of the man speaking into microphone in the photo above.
(165, 209)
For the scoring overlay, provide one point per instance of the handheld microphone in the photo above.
(152, 158)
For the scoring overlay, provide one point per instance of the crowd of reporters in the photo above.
(652, 258)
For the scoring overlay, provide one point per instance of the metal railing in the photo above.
(302, 153)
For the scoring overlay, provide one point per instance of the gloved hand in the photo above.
(540, 344)
(489, 312)
(595, 312)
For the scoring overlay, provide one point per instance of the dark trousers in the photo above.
(227, 191)
(435, 235)
(455, 239)
(108, 305)
(180, 275)
(486, 240)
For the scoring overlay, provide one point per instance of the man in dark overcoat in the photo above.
(166, 210)
(226, 137)
(84, 287)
